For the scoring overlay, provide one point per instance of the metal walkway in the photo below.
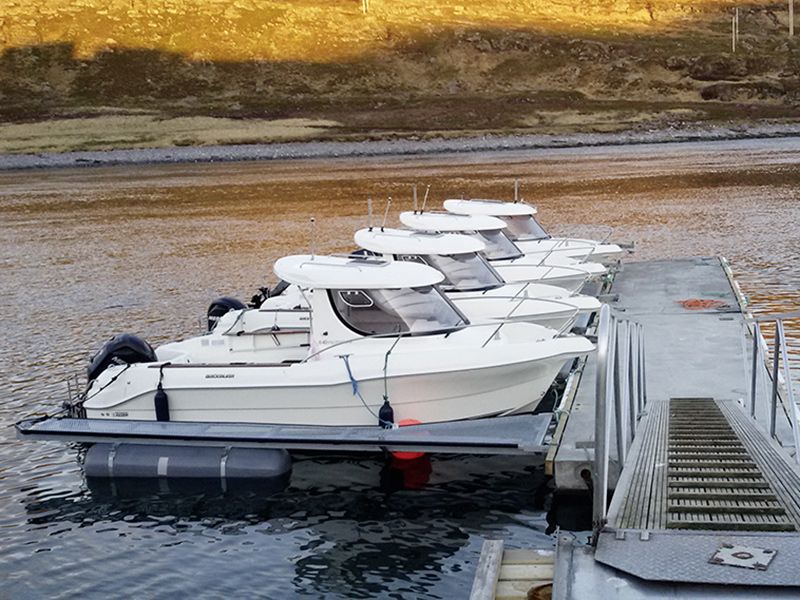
(707, 504)
(692, 470)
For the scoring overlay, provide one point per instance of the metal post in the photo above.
(601, 429)
(642, 371)
(618, 366)
(756, 334)
(773, 407)
(787, 378)
(516, 190)
(622, 379)
(733, 34)
(633, 380)
(791, 18)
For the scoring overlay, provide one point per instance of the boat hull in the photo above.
(464, 386)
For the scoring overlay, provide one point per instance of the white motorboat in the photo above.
(384, 344)
(502, 252)
(528, 233)
(472, 284)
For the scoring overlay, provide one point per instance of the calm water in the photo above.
(88, 253)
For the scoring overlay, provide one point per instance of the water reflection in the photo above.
(361, 527)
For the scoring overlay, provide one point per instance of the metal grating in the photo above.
(699, 464)
(713, 481)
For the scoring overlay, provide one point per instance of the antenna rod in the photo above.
(313, 236)
(414, 188)
(369, 213)
(386, 213)
(425, 199)
(516, 190)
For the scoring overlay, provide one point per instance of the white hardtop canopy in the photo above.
(493, 208)
(345, 273)
(405, 241)
(442, 221)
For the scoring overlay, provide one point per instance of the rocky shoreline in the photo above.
(394, 147)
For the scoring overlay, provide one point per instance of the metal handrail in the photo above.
(780, 367)
(555, 249)
(542, 278)
(520, 302)
(619, 386)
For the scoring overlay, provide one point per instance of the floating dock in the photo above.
(700, 451)
(520, 435)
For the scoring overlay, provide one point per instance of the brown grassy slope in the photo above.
(404, 67)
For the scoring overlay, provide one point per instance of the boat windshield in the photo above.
(525, 227)
(418, 310)
(466, 272)
(498, 245)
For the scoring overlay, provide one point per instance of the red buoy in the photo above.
(408, 455)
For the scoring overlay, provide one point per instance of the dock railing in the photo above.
(620, 387)
(780, 369)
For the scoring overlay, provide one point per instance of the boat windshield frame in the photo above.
(524, 228)
(498, 245)
(444, 263)
(381, 298)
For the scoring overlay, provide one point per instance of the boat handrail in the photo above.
(549, 270)
(367, 260)
(542, 279)
(408, 334)
(272, 330)
(373, 336)
(620, 385)
(563, 328)
(517, 297)
(555, 249)
(780, 368)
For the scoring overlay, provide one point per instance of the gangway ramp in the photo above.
(703, 479)
(694, 469)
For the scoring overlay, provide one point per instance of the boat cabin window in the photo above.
(465, 272)
(498, 246)
(406, 310)
(356, 299)
(525, 227)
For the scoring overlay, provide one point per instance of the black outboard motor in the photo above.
(220, 307)
(122, 349)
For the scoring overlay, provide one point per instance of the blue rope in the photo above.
(353, 382)
(357, 392)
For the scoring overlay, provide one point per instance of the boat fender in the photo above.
(161, 400)
(386, 415)
(408, 455)
(220, 307)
